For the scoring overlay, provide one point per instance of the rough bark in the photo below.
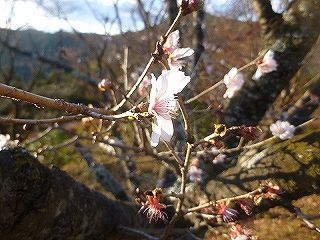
(290, 35)
(293, 164)
(41, 203)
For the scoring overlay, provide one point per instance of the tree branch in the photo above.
(59, 104)
(62, 119)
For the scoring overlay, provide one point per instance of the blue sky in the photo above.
(83, 15)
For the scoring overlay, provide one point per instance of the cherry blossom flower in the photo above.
(233, 81)
(273, 191)
(282, 129)
(268, 64)
(162, 103)
(195, 174)
(152, 207)
(4, 140)
(228, 214)
(219, 159)
(175, 54)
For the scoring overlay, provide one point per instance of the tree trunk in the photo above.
(41, 203)
(290, 35)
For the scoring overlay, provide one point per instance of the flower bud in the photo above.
(105, 85)
(249, 133)
(220, 129)
(189, 6)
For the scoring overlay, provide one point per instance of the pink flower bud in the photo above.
(249, 133)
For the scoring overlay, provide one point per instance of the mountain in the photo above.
(226, 40)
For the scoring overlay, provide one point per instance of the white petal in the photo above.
(229, 77)
(172, 41)
(182, 53)
(257, 74)
(166, 128)
(175, 64)
(269, 55)
(176, 80)
(153, 93)
(156, 132)
(273, 128)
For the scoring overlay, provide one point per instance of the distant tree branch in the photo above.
(172, 9)
(144, 14)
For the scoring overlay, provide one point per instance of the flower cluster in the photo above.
(189, 6)
(282, 129)
(105, 84)
(249, 133)
(219, 159)
(246, 205)
(272, 192)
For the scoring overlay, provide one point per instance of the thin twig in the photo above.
(66, 143)
(149, 64)
(217, 84)
(230, 199)
(266, 141)
(39, 136)
(62, 119)
(306, 219)
(174, 154)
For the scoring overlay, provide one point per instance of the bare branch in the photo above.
(62, 119)
(59, 104)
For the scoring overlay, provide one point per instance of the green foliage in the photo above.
(59, 156)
